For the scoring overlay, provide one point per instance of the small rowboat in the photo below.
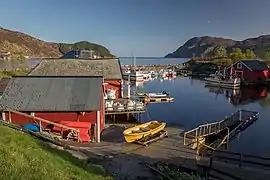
(138, 132)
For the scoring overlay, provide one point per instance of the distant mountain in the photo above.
(20, 44)
(199, 46)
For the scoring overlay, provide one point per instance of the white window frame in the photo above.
(239, 65)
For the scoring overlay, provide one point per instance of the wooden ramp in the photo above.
(228, 127)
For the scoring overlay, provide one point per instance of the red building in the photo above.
(57, 99)
(110, 69)
(250, 70)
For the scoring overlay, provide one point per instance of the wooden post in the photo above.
(128, 93)
(128, 116)
(228, 138)
(9, 116)
(240, 115)
(4, 116)
(211, 162)
(98, 126)
(241, 160)
(184, 138)
(122, 89)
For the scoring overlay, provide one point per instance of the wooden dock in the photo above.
(213, 135)
(157, 100)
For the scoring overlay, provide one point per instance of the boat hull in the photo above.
(132, 134)
(224, 84)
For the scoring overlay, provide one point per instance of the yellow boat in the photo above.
(137, 132)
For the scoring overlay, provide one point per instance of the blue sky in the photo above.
(144, 27)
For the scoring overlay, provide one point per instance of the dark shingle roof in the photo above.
(108, 68)
(3, 84)
(255, 65)
(52, 94)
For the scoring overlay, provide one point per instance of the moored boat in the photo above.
(225, 83)
(158, 95)
(153, 95)
(143, 130)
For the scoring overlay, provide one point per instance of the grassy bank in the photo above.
(24, 157)
(10, 73)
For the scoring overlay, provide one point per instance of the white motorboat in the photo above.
(158, 95)
(153, 95)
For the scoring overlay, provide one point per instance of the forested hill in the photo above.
(21, 45)
(206, 46)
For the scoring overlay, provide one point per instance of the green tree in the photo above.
(266, 56)
(249, 54)
(236, 55)
(220, 52)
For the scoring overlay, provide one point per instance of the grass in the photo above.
(10, 73)
(24, 157)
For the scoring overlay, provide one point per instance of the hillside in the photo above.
(24, 157)
(205, 45)
(20, 45)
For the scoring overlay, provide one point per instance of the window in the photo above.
(239, 66)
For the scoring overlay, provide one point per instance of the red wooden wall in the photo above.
(115, 85)
(249, 75)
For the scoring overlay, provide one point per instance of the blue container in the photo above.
(32, 127)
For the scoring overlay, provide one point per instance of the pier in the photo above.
(212, 136)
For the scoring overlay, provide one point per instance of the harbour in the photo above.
(135, 91)
(180, 103)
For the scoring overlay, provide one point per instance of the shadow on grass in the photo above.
(58, 151)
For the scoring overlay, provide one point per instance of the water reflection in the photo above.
(243, 96)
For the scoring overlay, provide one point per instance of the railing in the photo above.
(216, 127)
(40, 120)
(212, 128)
(240, 159)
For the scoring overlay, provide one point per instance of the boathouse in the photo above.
(57, 99)
(110, 69)
(251, 71)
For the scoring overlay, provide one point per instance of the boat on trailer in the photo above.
(143, 130)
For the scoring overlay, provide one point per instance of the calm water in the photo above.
(196, 104)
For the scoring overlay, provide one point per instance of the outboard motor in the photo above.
(164, 92)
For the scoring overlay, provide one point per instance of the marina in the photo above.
(187, 129)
